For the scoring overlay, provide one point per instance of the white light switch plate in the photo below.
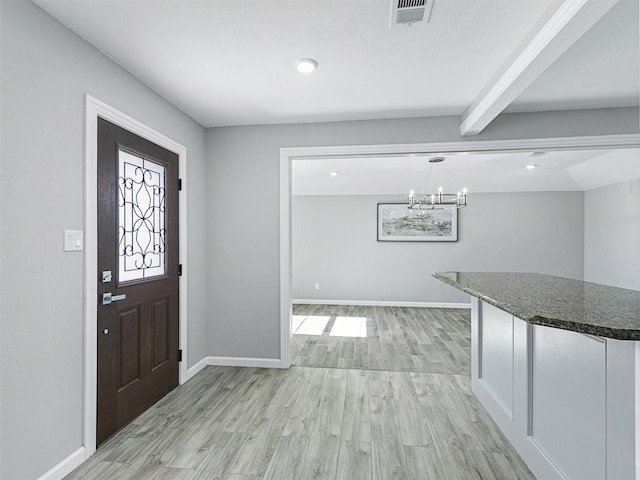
(73, 241)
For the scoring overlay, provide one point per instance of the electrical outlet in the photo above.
(317, 286)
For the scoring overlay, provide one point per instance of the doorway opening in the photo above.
(325, 155)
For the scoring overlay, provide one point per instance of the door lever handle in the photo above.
(107, 298)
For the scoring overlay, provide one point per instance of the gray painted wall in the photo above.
(46, 72)
(233, 264)
(243, 260)
(612, 235)
(334, 243)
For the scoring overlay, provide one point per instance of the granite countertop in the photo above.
(555, 301)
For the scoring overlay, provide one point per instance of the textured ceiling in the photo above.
(232, 62)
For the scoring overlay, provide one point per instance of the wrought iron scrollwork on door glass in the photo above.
(141, 217)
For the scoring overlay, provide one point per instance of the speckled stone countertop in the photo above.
(555, 301)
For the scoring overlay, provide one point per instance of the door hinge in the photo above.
(179, 355)
(179, 184)
(179, 269)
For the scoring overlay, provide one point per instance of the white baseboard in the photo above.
(66, 466)
(245, 362)
(375, 303)
(234, 362)
(197, 367)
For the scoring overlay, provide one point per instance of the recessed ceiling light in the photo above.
(306, 65)
(334, 174)
(536, 154)
(531, 167)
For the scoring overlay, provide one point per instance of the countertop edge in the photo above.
(587, 329)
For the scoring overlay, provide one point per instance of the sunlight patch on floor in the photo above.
(310, 325)
(349, 327)
(296, 321)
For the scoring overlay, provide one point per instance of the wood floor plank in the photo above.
(413, 428)
(217, 404)
(306, 351)
(496, 465)
(287, 393)
(449, 448)
(372, 326)
(287, 459)
(373, 345)
(423, 463)
(193, 448)
(262, 390)
(375, 361)
(221, 456)
(256, 452)
(354, 461)
(145, 472)
(316, 359)
(165, 447)
(321, 459)
(303, 414)
(233, 476)
(386, 445)
(361, 352)
(347, 351)
(331, 409)
(100, 469)
(128, 449)
(332, 356)
(169, 473)
(356, 424)
(388, 356)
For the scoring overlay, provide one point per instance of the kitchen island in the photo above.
(556, 363)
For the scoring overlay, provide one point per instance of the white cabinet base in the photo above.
(568, 402)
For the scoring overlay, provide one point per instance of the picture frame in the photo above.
(398, 223)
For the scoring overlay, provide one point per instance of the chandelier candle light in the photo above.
(436, 201)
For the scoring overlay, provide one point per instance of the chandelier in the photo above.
(440, 200)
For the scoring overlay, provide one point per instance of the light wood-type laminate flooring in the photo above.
(376, 393)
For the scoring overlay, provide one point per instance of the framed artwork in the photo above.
(398, 223)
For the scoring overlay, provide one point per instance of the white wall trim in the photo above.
(560, 143)
(236, 362)
(287, 154)
(245, 362)
(376, 303)
(285, 258)
(192, 371)
(637, 403)
(66, 466)
(94, 109)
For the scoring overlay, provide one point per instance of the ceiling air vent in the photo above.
(410, 11)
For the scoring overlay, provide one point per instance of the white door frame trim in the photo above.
(94, 109)
(287, 154)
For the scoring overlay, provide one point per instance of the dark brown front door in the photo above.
(138, 323)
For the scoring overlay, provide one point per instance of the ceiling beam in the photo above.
(563, 22)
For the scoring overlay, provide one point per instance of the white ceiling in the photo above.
(599, 70)
(232, 62)
(478, 172)
(229, 62)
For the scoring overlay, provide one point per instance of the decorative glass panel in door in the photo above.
(141, 217)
